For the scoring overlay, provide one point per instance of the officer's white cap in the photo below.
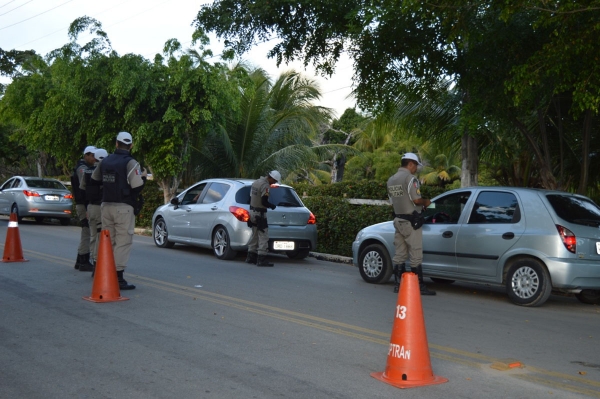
(100, 154)
(275, 175)
(89, 149)
(124, 137)
(413, 157)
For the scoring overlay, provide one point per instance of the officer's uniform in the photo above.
(79, 175)
(403, 188)
(259, 242)
(121, 179)
(93, 195)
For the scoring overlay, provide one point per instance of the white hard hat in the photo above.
(413, 157)
(100, 154)
(275, 175)
(88, 149)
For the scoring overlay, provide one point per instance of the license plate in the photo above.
(598, 248)
(51, 197)
(283, 245)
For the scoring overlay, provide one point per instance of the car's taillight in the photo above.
(568, 238)
(30, 193)
(312, 219)
(240, 213)
(69, 196)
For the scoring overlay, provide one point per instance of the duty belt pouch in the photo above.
(417, 220)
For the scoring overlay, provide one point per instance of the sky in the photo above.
(142, 27)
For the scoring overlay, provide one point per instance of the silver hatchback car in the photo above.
(36, 197)
(531, 241)
(214, 214)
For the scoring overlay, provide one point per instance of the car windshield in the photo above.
(42, 183)
(280, 196)
(574, 209)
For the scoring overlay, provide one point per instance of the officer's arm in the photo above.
(96, 176)
(265, 202)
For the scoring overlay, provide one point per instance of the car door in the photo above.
(493, 227)
(440, 232)
(6, 196)
(205, 211)
(179, 217)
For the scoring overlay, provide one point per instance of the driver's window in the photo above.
(193, 195)
(447, 209)
(7, 184)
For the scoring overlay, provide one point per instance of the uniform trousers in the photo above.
(259, 242)
(408, 243)
(84, 239)
(95, 218)
(119, 220)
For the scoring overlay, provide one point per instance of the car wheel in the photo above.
(591, 297)
(220, 244)
(15, 209)
(441, 280)
(528, 283)
(297, 254)
(64, 221)
(375, 265)
(39, 219)
(161, 235)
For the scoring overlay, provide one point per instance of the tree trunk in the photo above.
(585, 153)
(470, 159)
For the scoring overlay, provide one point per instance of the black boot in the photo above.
(398, 271)
(123, 285)
(422, 286)
(77, 262)
(262, 261)
(251, 258)
(85, 265)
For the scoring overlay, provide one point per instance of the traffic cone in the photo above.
(106, 285)
(408, 362)
(12, 247)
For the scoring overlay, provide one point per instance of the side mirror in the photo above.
(175, 201)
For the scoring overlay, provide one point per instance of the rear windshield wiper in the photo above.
(287, 204)
(588, 222)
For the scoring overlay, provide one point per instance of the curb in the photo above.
(319, 256)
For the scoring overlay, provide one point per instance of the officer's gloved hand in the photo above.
(272, 206)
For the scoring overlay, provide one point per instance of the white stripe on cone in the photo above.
(13, 224)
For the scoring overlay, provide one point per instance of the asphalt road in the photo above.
(197, 327)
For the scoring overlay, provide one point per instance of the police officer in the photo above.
(259, 202)
(404, 192)
(83, 168)
(122, 181)
(93, 195)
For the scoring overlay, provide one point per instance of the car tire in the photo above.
(528, 282)
(39, 219)
(297, 254)
(64, 221)
(375, 265)
(221, 245)
(161, 235)
(590, 297)
(441, 280)
(15, 209)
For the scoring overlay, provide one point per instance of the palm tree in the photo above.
(273, 130)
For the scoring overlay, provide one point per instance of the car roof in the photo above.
(244, 181)
(517, 189)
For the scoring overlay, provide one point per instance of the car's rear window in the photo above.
(575, 209)
(41, 183)
(280, 196)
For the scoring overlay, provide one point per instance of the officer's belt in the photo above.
(404, 216)
(261, 210)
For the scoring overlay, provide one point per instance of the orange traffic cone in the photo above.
(408, 363)
(12, 247)
(106, 284)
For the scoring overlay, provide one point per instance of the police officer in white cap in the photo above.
(404, 190)
(122, 181)
(93, 195)
(84, 167)
(259, 203)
